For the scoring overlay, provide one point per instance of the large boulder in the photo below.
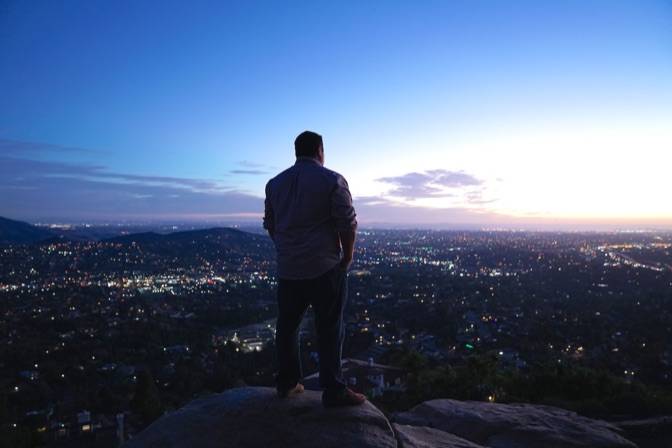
(255, 417)
(250, 417)
(424, 437)
(498, 425)
(650, 432)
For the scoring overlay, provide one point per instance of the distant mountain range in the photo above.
(19, 232)
(204, 243)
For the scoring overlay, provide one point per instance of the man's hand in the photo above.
(348, 244)
(345, 263)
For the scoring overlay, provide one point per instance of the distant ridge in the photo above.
(214, 233)
(140, 238)
(201, 242)
(19, 232)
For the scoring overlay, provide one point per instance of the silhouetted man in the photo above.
(309, 216)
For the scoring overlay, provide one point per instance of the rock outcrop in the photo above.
(651, 432)
(515, 425)
(251, 417)
(424, 437)
(254, 417)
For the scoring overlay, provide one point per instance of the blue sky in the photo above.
(439, 113)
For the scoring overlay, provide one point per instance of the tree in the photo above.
(147, 401)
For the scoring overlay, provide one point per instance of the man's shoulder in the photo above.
(280, 175)
(330, 176)
(315, 168)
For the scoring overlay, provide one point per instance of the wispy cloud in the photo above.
(252, 168)
(253, 172)
(36, 189)
(378, 211)
(476, 197)
(435, 196)
(19, 147)
(21, 169)
(39, 189)
(428, 184)
(251, 164)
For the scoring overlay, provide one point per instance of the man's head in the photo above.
(309, 144)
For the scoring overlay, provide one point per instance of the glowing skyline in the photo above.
(491, 114)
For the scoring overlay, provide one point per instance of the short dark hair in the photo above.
(307, 144)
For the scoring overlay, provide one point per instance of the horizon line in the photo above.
(466, 227)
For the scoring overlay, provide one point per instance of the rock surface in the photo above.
(249, 417)
(514, 425)
(653, 432)
(425, 437)
(255, 417)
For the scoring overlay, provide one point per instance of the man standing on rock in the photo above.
(310, 218)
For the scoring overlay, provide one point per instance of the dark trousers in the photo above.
(328, 294)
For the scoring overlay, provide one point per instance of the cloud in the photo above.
(475, 197)
(18, 147)
(433, 197)
(254, 172)
(251, 164)
(17, 168)
(32, 189)
(181, 182)
(252, 168)
(52, 190)
(428, 184)
(377, 211)
(371, 200)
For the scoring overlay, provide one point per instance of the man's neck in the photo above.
(308, 159)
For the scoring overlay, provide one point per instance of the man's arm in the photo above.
(345, 219)
(348, 244)
(269, 217)
(271, 233)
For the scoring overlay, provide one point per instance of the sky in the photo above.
(488, 114)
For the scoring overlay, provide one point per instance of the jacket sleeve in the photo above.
(342, 211)
(269, 218)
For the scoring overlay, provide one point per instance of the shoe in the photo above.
(345, 397)
(284, 393)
